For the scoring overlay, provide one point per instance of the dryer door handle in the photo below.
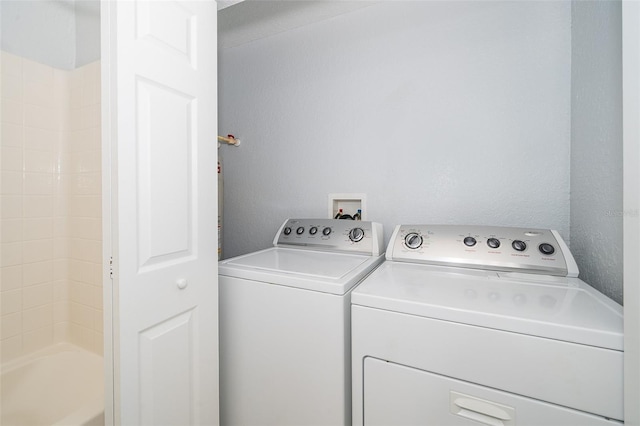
(481, 410)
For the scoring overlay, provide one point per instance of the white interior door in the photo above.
(160, 207)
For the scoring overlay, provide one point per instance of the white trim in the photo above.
(631, 184)
(107, 63)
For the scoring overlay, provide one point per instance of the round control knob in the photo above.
(469, 241)
(287, 230)
(494, 243)
(413, 241)
(313, 230)
(546, 249)
(519, 245)
(356, 234)
(300, 230)
(326, 231)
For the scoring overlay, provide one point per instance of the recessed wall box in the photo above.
(349, 203)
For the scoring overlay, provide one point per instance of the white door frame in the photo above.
(108, 182)
(631, 184)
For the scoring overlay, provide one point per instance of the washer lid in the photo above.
(558, 308)
(325, 271)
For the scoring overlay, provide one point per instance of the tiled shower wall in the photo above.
(50, 282)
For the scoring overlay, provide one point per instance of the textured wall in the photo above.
(441, 112)
(596, 144)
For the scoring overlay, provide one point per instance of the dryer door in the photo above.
(399, 395)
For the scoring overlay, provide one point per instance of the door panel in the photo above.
(159, 107)
(167, 173)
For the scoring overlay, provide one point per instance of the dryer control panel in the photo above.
(538, 251)
(332, 234)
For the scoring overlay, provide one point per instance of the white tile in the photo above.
(97, 274)
(11, 254)
(62, 185)
(11, 348)
(11, 206)
(11, 302)
(76, 268)
(37, 206)
(38, 84)
(91, 84)
(37, 228)
(11, 183)
(37, 295)
(94, 229)
(61, 332)
(34, 318)
(38, 183)
(99, 343)
(11, 134)
(87, 250)
(61, 290)
(76, 121)
(75, 333)
(89, 228)
(60, 269)
(11, 158)
(61, 311)
(97, 297)
(60, 225)
(75, 88)
(40, 139)
(10, 278)
(91, 115)
(37, 251)
(81, 293)
(42, 117)
(38, 161)
(12, 111)
(11, 230)
(64, 119)
(60, 247)
(11, 64)
(86, 273)
(37, 273)
(81, 315)
(62, 161)
(98, 320)
(11, 86)
(62, 87)
(88, 338)
(10, 325)
(80, 139)
(89, 161)
(37, 339)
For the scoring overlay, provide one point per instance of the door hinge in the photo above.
(111, 267)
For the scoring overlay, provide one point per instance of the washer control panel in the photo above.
(332, 234)
(540, 251)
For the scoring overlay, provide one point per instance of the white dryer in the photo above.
(285, 327)
(468, 325)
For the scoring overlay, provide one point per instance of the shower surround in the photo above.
(51, 280)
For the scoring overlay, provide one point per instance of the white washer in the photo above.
(285, 354)
(468, 325)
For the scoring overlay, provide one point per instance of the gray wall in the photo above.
(441, 112)
(61, 33)
(596, 144)
(87, 31)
